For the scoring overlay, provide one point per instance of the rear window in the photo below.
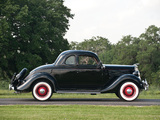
(87, 60)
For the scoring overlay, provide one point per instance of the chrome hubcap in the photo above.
(129, 91)
(42, 91)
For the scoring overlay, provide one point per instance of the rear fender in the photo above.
(126, 77)
(34, 78)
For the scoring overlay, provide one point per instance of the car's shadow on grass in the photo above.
(74, 99)
(86, 99)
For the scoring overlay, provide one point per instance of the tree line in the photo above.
(144, 50)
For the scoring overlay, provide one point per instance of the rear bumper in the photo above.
(145, 84)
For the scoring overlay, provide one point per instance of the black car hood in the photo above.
(119, 67)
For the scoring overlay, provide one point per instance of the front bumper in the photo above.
(11, 87)
(145, 84)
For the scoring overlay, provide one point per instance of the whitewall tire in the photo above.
(42, 91)
(129, 91)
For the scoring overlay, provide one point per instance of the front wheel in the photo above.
(42, 91)
(129, 91)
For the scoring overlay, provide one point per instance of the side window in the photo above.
(87, 60)
(70, 60)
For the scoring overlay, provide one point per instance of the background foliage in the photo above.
(129, 50)
(32, 33)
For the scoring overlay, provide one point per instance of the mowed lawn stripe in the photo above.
(79, 112)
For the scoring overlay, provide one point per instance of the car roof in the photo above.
(77, 52)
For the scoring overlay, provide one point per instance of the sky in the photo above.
(111, 19)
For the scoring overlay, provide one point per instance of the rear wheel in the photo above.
(42, 91)
(129, 91)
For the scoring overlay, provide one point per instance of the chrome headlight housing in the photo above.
(136, 72)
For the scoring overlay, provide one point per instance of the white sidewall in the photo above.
(48, 94)
(135, 94)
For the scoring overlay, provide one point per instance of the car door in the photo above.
(66, 73)
(89, 75)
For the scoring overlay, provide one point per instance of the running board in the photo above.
(82, 92)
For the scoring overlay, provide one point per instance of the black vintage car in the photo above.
(79, 71)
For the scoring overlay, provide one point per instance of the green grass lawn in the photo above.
(78, 112)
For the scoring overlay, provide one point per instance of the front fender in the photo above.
(35, 77)
(121, 79)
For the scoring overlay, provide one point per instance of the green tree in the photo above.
(125, 51)
(149, 53)
(31, 33)
(99, 45)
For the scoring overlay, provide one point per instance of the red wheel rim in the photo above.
(129, 91)
(42, 90)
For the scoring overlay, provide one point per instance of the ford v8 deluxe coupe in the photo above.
(79, 71)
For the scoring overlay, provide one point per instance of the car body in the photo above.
(79, 71)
